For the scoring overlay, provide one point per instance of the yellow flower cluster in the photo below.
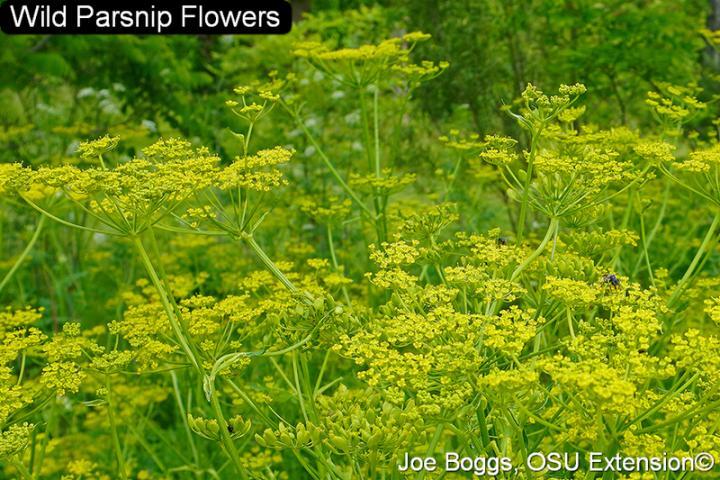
(136, 193)
(145, 327)
(13, 177)
(15, 439)
(93, 149)
(675, 104)
(712, 308)
(655, 152)
(422, 346)
(384, 185)
(257, 172)
(573, 293)
(509, 331)
(701, 161)
(364, 65)
(334, 210)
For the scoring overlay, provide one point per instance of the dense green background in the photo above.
(619, 49)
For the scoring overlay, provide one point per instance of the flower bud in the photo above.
(270, 438)
(338, 442)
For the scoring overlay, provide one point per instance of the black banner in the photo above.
(159, 17)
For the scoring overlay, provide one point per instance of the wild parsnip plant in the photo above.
(316, 308)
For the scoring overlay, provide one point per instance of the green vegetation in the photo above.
(483, 227)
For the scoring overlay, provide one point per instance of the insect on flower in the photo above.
(611, 279)
(231, 429)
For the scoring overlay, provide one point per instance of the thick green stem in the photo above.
(482, 423)
(25, 253)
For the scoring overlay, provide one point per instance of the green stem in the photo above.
(246, 143)
(453, 176)
(376, 131)
(656, 227)
(689, 273)
(373, 160)
(570, 323)
(113, 429)
(66, 223)
(25, 253)
(174, 322)
(21, 468)
(666, 398)
(643, 239)
(250, 402)
(625, 222)
(270, 265)
(226, 438)
(331, 167)
(141, 439)
(380, 219)
(336, 265)
(482, 423)
(320, 375)
(433, 444)
(554, 223)
(183, 415)
(298, 388)
(683, 416)
(52, 425)
(22, 367)
(526, 188)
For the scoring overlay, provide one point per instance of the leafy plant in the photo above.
(340, 284)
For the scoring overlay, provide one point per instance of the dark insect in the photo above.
(502, 241)
(612, 280)
(231, 429)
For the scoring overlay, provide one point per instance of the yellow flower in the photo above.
(15, 439)
(91, 150)
(256, 172)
